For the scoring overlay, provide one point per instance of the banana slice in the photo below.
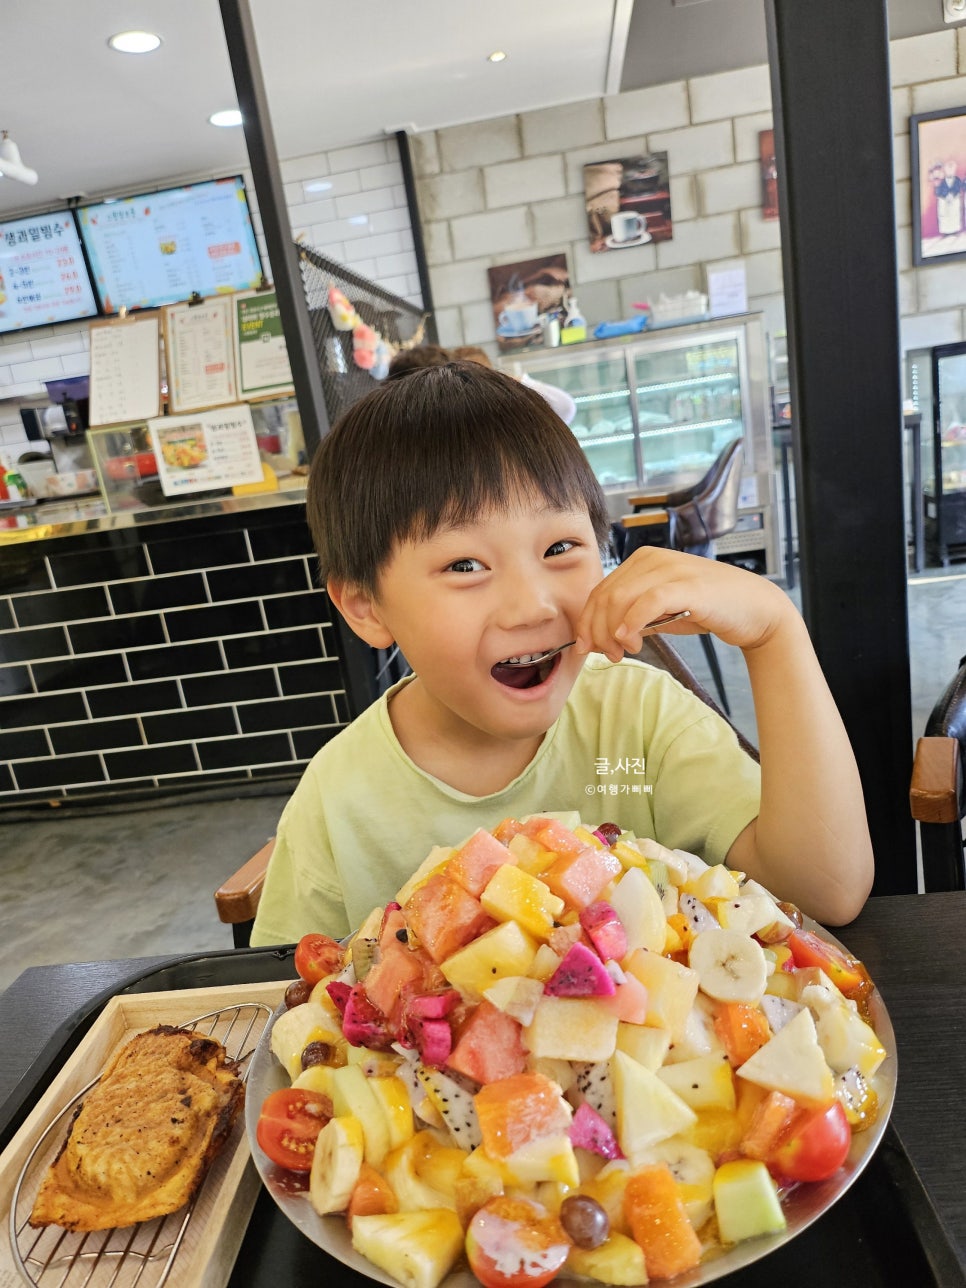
(730, 966)
(339, 1152)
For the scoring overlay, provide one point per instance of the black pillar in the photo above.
(287, 277)
(419, 246)
(833, 138)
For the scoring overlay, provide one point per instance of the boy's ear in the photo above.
(358, 608)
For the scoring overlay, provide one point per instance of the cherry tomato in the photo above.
(289, 1125)
(814, 1146)
(848, 975)
(317, 956)
(515, 1243)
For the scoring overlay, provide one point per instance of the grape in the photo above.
(608, 833)
(317, 1053)
(298, 991)
(585, 1221)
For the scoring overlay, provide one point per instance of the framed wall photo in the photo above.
(628, 202)
(938, 153)
(521, 294)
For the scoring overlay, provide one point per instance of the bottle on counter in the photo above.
(15, 485)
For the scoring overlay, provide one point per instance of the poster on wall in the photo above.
(769, 174)
(628, 202)
(524, 292)
(938, 153)
(261, 358)
(205, 450)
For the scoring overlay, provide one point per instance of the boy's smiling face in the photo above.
(465, 600)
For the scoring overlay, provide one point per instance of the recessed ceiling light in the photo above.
(496, 57)
(134, 42)
(230, 116)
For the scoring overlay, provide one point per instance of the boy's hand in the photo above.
(739, 607)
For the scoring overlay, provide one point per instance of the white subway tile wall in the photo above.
(348, 203)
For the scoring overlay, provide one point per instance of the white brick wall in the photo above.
(359, 218)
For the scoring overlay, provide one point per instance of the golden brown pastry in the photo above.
(143, 1138)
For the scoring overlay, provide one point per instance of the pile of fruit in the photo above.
(568, 1051)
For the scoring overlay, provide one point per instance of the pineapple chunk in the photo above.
(417, 1248)
(530, 855)
(504, 950)
(704, 1083)
(514, 895)
(391, 1095)
(618, 1261)
(413, 1192)
(715, 882)
(645, 1045)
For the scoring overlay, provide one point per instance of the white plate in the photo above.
(509, 334)
(803, 1206)
(641, 240)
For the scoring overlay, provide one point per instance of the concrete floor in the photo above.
(80, 886)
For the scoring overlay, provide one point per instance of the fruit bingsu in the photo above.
(565, 1052)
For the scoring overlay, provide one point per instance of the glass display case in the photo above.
(655, 410)
(936, 387)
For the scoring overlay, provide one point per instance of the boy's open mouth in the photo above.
(521, 676)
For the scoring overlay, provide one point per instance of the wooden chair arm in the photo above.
(645, 518)
(648, 498)
(237, 900)
(934, 789)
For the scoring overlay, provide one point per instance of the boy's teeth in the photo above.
(525, 657)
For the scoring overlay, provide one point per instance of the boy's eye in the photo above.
(465, 565)
(560, 548)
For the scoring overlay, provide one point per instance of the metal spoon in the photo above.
(542, 657)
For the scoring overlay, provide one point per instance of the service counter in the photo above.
(161, 650)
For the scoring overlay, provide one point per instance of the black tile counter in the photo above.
(162, 651)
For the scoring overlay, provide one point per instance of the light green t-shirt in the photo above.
(631, 746)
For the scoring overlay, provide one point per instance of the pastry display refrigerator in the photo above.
(936, 387)
(655, 409)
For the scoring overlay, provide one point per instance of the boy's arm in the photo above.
(810, 843)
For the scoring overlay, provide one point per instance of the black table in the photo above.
(915, 949)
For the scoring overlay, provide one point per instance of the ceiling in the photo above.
(93, 122)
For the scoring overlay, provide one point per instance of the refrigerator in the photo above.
(655, 409)
(936, 387)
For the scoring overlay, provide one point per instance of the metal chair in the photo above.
(690, 519)
(937, 792)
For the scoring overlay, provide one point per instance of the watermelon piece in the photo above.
(581, 878)
(506, 830)
(393, 922)
(589, 1131)
(475, 862)
(629, 1002)
(580, 974)
(399, 972)
(444, 916)
(489, 1046)
(553, 835)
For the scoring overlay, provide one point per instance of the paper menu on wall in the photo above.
(125, 369)
(200, 358)
(261, 358)
(208, 449)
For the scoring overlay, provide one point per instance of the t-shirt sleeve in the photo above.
(302, 894)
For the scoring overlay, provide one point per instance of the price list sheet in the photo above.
(125, 370)
(199, 355)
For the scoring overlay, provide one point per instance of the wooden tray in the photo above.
(213, 1233)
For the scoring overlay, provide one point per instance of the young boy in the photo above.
(455, 515)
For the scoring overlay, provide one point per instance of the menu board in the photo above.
(209, 449)
(199, 356)
(261, 358)
(162, 247)
(125, 370)
(43, 277)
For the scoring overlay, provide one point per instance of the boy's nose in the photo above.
(527, 601)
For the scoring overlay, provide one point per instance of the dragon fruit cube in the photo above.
(580, 974)
(605, 930)
(589, 1131)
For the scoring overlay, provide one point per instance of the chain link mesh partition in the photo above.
(397, 321)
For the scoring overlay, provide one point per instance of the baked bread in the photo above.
(141, 1142)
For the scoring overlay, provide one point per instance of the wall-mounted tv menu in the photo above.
(43, 277)
(160, 247)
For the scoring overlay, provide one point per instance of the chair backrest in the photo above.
(713, 511)
(937, 792)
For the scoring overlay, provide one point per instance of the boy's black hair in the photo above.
(441, 446)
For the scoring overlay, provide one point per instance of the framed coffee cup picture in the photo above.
(937, 148)
(628, 202)
(527, 297)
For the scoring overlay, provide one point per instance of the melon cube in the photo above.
(671, 989)
(581, 877)
(645, 1045)
(504, 950)
(476, 860)
(514, 895)
(746, 1202)
(572, 1028)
